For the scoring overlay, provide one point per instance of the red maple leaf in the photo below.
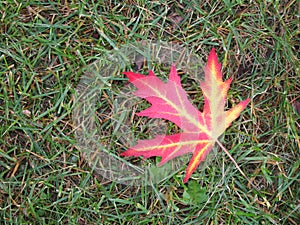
(200, 130)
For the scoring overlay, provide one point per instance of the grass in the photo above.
(45, 177)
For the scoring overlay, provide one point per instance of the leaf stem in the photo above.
(236, 165)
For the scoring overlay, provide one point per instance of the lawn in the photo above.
(67, 112)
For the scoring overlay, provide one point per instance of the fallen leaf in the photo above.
(200, 130)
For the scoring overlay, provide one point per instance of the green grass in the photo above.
(44, 175)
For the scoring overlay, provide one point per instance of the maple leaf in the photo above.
(200, 130)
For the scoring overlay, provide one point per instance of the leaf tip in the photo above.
(173, 75)
(151, 73)
(186, 178)
(129, 152)
(213, 67)
(213, 55)
(133, 76)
